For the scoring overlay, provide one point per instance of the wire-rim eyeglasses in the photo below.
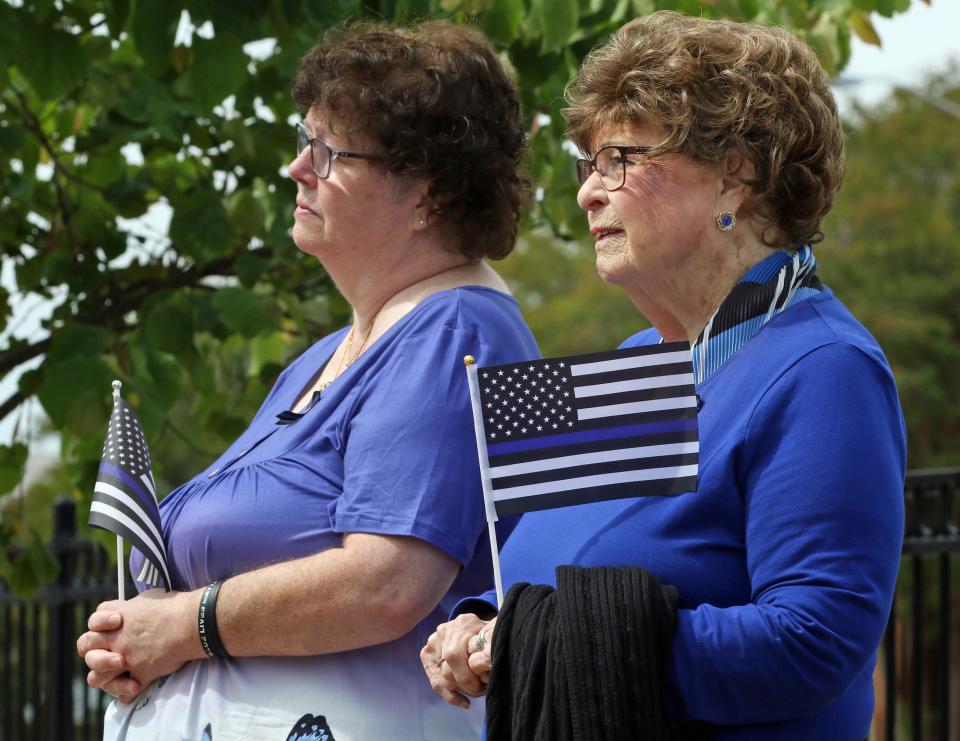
(610, 163)
(322, 154)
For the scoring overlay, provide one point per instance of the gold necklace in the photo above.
(346, 352)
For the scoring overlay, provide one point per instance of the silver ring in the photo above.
(480, 640)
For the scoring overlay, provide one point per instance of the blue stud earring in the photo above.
(726, 221)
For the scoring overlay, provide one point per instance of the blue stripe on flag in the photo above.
(133, 485)
(603, 433)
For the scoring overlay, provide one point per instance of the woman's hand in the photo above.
(481, 654)
(450, 655)
(149, 636)
(108, 669)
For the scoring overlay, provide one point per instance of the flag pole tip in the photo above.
(468, 360)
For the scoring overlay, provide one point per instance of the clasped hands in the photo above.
(457, 658)
(131, 643)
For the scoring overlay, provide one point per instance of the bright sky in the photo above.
(914, 43)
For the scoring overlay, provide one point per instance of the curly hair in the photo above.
(437, 100)
(717, 86)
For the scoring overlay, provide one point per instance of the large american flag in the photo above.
(584, 428)
(125, 496)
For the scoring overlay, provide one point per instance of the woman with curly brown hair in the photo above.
(753, 605)
(311, 560)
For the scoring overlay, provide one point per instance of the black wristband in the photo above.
(207, 622)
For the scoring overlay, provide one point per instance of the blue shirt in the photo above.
(786, 555)
(388, 448)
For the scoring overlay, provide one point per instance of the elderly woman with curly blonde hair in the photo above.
(752, 607)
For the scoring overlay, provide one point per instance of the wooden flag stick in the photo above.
(489, 507)
(120, 580)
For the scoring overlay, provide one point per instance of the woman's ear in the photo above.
(737, 173)
(422, 205)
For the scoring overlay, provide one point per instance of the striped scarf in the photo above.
(769, 287)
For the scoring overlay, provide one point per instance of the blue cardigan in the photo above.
(786, 556)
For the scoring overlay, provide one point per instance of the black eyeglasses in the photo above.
(610, 163)
(321, 155)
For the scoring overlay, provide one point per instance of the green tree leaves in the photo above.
(893, 255)
(158, 219)
(153, 27)
(52, 60)
(218, 68)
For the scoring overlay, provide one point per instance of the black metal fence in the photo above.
(918, 685)
(44, 695)
(43, 689)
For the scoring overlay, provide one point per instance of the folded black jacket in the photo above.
(584, 661)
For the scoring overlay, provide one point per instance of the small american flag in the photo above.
(584, 428)
(125, 497)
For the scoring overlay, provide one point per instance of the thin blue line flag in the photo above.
(125, 496)
(587, 428)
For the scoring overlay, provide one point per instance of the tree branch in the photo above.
(33, 124)
(10, 359)
(16, 399)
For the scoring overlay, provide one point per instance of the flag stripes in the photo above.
(623, 397)
(579, 460)
(671, 430)
(512, 453)
(112, 503)
(635, 384)
(637, 407)
(646, 359)
(148, 574)
(533, 500)
(125, 496)
(563, 431)
(121, 480)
